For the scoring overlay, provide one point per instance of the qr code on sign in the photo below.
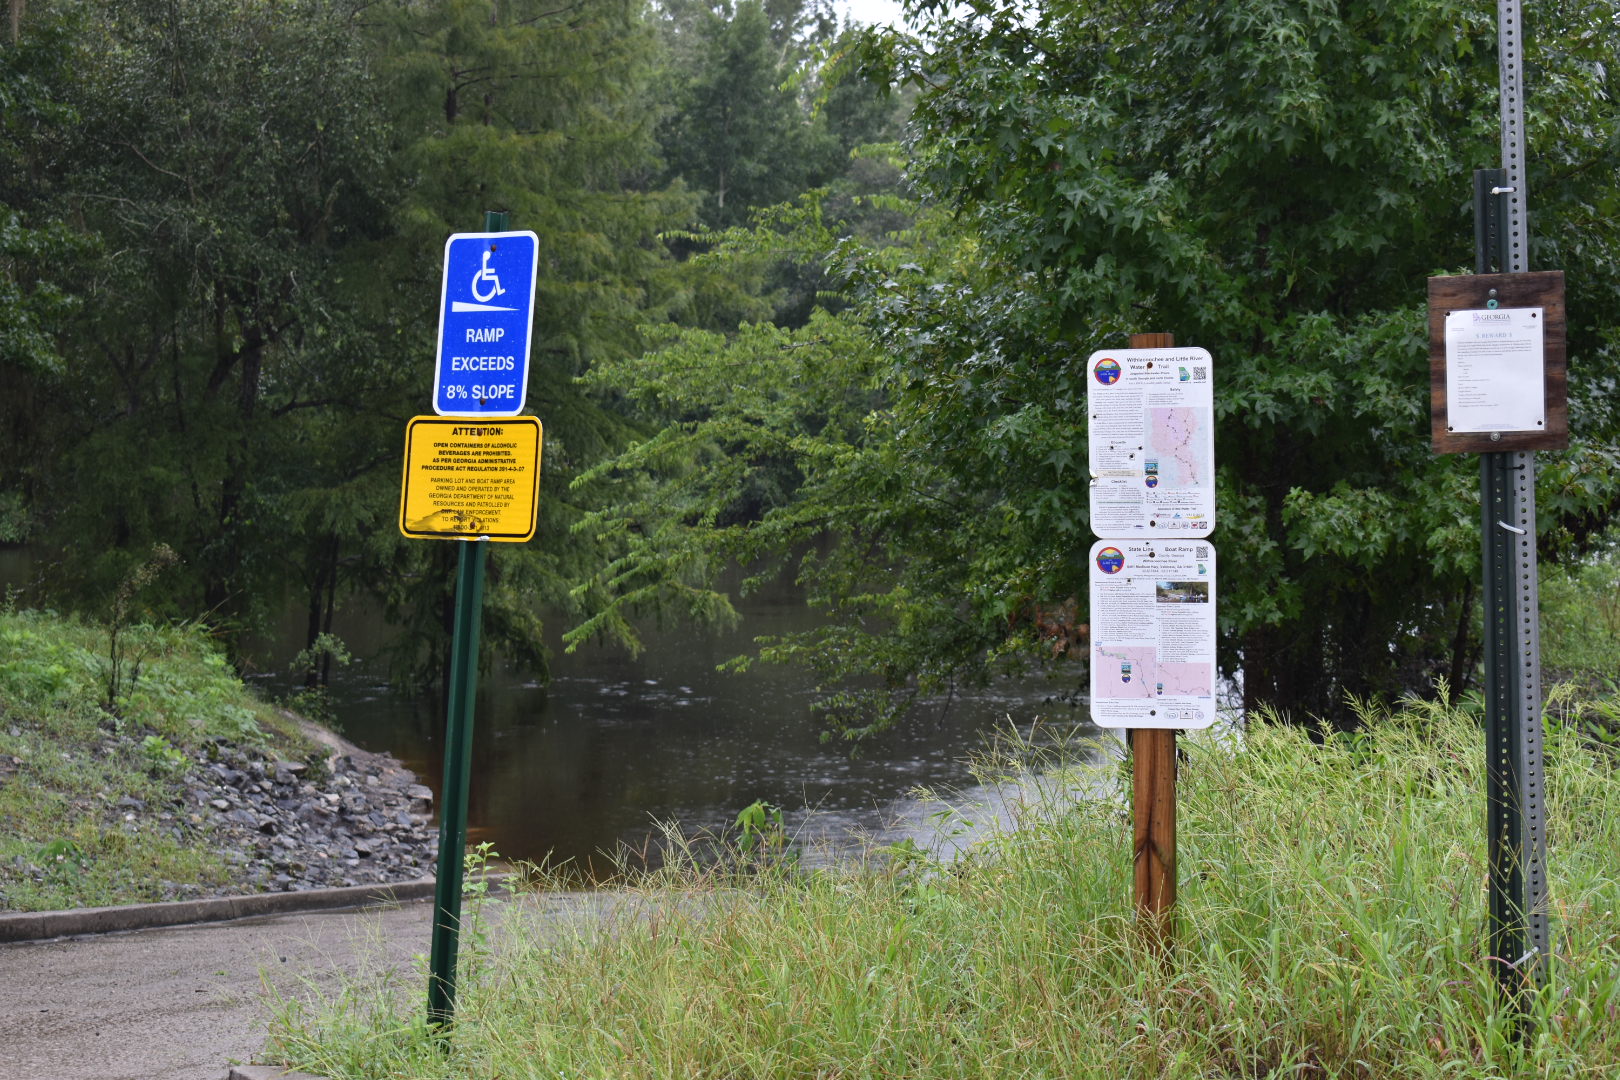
(1201, 552)
(1200, 373)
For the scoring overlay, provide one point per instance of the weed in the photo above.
(162, 759)
(64, 855)
(761, 840)
(475, 939)
(123, 669)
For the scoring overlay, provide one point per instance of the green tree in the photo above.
(737, 133)
(33, 241)
(1272, 181)
(750, 123)
(218, 157)
(797, 445)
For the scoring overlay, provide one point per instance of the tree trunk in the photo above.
(331, 609)
(222, 578)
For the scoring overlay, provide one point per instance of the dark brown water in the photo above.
(588, 765)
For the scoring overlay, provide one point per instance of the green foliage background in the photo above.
(220, 239)
(764, 334)
(1273, 182)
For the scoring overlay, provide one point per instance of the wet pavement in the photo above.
(186, 1003)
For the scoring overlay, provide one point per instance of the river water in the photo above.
(582, 772)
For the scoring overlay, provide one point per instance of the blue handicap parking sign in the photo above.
(486, 311)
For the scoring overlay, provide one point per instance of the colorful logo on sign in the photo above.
(1152, 480)
(1125, 671)
(1107, 371)
(1110, 560)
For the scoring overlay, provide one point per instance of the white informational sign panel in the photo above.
(1152, 442)
(1496, 370)
(1153, 633)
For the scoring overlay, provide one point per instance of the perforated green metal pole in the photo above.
(457, 778)
(458, 728)
(1516, 828)
(1516, 831)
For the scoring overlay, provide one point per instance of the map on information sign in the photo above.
(1151, 430)
(1153, 633)
(1141, 675)
(1178, 442)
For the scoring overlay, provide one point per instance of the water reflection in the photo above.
(591, 764)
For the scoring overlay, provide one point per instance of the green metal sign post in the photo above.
(1516, 818)
(1516, 832)
(462, 692)
(1486, 329)
(457, 778)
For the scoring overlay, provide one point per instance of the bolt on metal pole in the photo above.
(458, 728)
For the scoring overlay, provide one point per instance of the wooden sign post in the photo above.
(1153, 808)
(1153, 796)
(1153, 582)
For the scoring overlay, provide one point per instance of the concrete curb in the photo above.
(267, 1072)
(41, 925)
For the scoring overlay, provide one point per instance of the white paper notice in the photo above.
(1152, 442)
(1495, 364)
(1153, 633)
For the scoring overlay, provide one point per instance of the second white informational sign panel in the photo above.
(1153, 633)
(1152, 442)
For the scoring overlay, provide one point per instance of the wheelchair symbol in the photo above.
(486, 275)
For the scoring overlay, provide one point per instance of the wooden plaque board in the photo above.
(1543, 289)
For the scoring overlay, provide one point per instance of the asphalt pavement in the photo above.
(186, 1003)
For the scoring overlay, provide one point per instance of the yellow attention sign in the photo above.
(470, 479)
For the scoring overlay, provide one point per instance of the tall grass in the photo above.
(1331, 924)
